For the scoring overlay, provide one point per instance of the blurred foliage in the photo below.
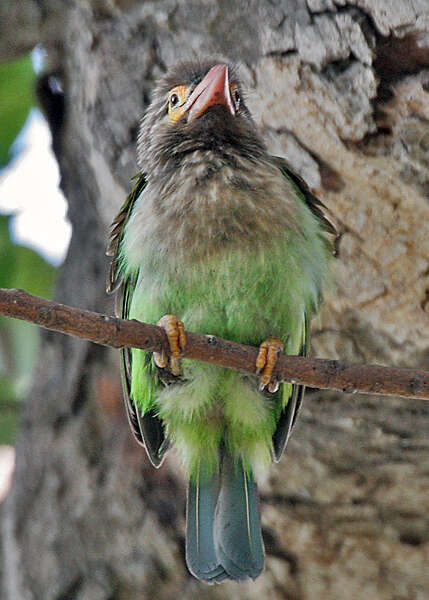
(17, 80)
(23, 268)
(19, 266)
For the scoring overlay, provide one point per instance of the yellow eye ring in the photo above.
(176, 101)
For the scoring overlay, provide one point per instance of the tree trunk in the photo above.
(341, 89)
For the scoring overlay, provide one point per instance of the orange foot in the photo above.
(266, 361)
(175, 331)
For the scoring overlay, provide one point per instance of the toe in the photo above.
(176, 336)
(266, 361)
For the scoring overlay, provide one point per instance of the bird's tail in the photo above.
(223, 536)
(201, 556)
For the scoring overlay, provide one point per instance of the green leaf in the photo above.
(9, 417)
(23, 268)
(17, 80)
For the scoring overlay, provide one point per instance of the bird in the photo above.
(220, 236)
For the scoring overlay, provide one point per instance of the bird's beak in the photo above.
(213, 89)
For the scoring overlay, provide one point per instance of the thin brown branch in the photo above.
(115, 332)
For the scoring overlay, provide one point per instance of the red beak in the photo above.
(213, 89)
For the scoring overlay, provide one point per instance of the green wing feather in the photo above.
(147, 428)
(292, 395)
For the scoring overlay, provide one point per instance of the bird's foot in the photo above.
(269, 351)
(175, 331)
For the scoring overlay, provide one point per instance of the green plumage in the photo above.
(243, 296)
(234, 244)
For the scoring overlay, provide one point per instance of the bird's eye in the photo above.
(174, 100)
(236, 96)
(176, 103)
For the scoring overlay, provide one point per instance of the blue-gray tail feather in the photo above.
(223, 537)
(201, 556)
(237, 527)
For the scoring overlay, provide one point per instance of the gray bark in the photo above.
(341, 89)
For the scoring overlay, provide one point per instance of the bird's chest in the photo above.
(202, 217)
(206, 214)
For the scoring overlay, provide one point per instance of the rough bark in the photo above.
(341, 89)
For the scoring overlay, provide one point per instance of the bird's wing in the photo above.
(117, 232)
(293, 395)
(147, 428)
(314, 204)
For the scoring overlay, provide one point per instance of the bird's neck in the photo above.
(218, 194)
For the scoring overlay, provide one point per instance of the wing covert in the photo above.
(314, 204)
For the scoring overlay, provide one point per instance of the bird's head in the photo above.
(197, 106)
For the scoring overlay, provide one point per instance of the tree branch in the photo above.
(118, 333)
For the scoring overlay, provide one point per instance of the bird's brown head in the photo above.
(197, 106)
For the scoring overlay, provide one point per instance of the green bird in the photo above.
(223, 237)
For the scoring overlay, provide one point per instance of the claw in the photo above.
(273, 386)
(175, 331)
(265, 363)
